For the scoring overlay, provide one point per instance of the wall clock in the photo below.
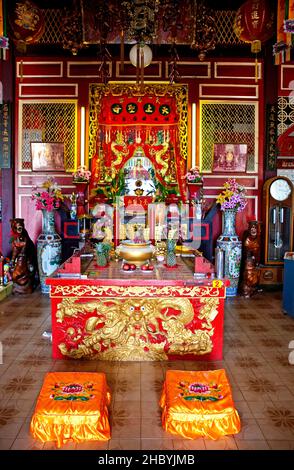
(278, 208)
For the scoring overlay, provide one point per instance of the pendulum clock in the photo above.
(278, 200)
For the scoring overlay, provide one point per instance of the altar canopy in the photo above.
(126, 119)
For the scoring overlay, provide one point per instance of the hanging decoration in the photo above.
(204, 36)
(152, 120)
(104, 57)
(149, 22)
(27, 24)
(254, 23)
(4, 41)
(285, 29)
(72, 31)
(174, 75)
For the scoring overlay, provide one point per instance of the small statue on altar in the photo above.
(251, 242)
(24, 258)
(139, 172)
(251, 276)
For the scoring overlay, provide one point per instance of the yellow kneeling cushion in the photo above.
(198, 403)
(72, 406)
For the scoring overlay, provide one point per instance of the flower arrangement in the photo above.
(82, 175)
(232, 196)
(193, 175)
(115, 187)
(49, 198)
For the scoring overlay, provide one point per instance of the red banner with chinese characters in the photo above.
(149, 124)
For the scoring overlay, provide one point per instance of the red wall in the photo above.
(223, 79)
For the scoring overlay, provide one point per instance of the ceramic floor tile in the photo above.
(124, 444)
(92, 445)
(224, 443)
(252, 445)
(256, 341)
(157, 444)
(189, 444)
(152, 428)
(250, 430)
(123, 427)
(281, 445)
(6, 443)
(130, 409)
(27, 444)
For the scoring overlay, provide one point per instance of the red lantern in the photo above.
(254, 23)
(27, 24)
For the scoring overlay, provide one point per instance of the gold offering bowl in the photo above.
(135, 253)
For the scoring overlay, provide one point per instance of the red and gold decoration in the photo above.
(156, 318)
(198, 404)
(254, 23)
(27, 24)
(152, 120)
(285, 29)
(4, 41)
(72, 406)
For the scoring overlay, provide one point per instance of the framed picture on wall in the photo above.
(47, 156)
(229, 158)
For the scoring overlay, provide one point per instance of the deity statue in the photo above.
(251, 243)
(251, 276)
(24, 258)
(138, 172)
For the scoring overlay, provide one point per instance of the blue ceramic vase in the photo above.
(232, 246)
(48, 249)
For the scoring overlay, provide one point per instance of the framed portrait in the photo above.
(229, 158)
(47, 156)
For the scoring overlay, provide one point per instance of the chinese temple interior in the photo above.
(146, 225)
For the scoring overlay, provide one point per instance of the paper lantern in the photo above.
(147, 55)
(27, 24)
(254, 23)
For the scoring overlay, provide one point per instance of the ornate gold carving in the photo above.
(98, 91)
(120, 150)
(135, 328)
(159, 153)
(87, 290)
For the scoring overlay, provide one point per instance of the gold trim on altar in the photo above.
(87, 290)
(135, 328)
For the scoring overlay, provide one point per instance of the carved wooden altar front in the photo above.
(112, 315)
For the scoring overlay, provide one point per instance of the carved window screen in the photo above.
(48, 121)
(228, 122)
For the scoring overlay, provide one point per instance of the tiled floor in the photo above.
(257, 336)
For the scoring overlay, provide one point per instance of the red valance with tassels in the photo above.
(150, 123)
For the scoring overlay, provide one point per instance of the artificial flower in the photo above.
(232, 196)
(193, 175)
(49, 197)
(82, 175)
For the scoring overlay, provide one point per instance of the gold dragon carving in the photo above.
(159, 154)
(179, 91)
(130, 328)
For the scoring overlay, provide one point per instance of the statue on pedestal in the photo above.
(24, 258)
(251, 259)
(251, 243)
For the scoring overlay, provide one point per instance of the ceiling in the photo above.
(57, 34)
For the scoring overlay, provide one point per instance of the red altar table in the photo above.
(111, 314)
